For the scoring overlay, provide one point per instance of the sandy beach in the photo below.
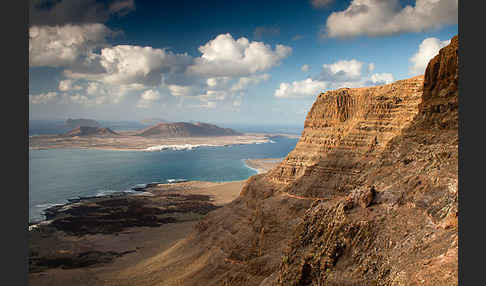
(263, 165)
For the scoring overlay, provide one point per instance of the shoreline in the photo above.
(102, 235)
(258, 165)
(147, 144)
(95, 238)
(262, 165)
(133, 191)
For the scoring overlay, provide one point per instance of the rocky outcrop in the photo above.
(185, 129)
(439, 106)
(63, 239)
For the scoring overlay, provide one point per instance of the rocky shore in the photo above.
(91, 232)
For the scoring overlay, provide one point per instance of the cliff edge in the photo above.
(367, 197)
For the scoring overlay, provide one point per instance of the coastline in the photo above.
(76, 243)
(147, 144)
(258, 165)
(262, 165)
(106, 234)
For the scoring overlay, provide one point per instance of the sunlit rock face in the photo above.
(347, 124)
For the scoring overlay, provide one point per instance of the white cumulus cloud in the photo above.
(244, 82)
(106, 74)
(181, 90)
(43, 98)
(428, 49)
(305, 68)
(56, 46)
(307, 87)
(126, 64)
(60, 98)
(147, 98)
(386, 17)
(343, 69)
(225, 56)
(67, 85)
(381, 78)
(218, 82)
(343, 73)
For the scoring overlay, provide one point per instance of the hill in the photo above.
(91, 131)
(185, 129)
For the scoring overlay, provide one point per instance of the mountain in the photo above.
(91, 131)
(185, 129)
(153, 121)
(74, 123)
(406, 233)
(367, 197)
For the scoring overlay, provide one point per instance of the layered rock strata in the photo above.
(345, 125)
(408, 235)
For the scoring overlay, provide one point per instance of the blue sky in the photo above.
(222, 61)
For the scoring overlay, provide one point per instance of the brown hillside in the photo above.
(185, 129)
(91, 131)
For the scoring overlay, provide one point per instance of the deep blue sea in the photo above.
(56, 175)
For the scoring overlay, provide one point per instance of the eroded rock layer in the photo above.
(345, 125)
(407, 235)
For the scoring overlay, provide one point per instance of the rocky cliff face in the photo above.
(342, 127)
(407, 234)
(368, 196)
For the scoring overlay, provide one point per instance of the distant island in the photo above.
(75, 123)
(186, 129)
(161, 136)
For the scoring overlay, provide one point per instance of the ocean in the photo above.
(56, 175)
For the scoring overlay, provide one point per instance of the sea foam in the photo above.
(181, 147)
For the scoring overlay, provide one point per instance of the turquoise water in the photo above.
(56, 175)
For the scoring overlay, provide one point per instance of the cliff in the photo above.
(185, 129)
(343, 129)
(406, 234)
(368, 197)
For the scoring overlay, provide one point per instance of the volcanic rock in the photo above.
(91, 131)
(185, 129)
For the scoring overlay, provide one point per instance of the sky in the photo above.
(255, 62)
